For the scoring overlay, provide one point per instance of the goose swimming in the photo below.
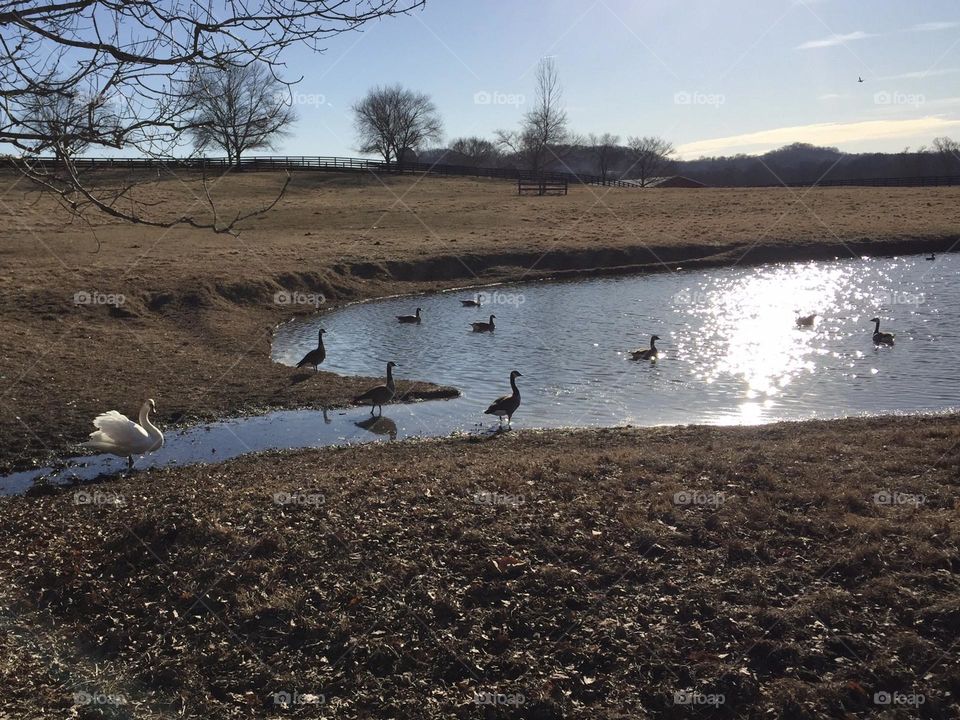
(471, 303)
(650, 353)
(484, 326)
(410, 318)
(881, 338)
(119, 435)
(806, 320)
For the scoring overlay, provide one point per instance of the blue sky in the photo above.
(712, 76)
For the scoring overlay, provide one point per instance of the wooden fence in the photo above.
(321, 164)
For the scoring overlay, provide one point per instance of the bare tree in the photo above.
(650, 157)
(946, 145)
(239, 108)
(140, 57)
(394, 121)
(543, 135)
(63, 119)
(606, 152)
(474, 151)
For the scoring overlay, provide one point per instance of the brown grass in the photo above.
(584, 586)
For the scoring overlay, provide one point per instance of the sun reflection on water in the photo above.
(748, 330)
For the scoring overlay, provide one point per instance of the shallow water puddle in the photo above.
(730, 353)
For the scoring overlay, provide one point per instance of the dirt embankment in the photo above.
(194, 326)
(792, 571)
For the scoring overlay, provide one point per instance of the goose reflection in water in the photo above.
(379, 425)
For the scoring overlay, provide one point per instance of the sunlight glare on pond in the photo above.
(748, 328)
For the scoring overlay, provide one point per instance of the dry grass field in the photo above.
(791, 571)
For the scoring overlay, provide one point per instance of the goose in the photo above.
(859, 79)
(381, 394)
(508, 404)
(932, 256)
(316, 356)
(648, 354)
(471, 303)
(119, 435)
(881, 338)
(484, 326)
(410, 318)
(806, 320)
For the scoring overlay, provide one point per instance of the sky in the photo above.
(714, 77)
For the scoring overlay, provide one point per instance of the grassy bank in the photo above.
(194, 328)
(794, 570)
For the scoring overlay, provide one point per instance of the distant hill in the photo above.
(795, 163)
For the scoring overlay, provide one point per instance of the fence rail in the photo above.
(320, 164)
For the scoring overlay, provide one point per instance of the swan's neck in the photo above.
(152, 430)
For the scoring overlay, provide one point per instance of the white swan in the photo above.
(119, 435)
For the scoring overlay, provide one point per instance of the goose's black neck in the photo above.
(876, 328)
(513, 385)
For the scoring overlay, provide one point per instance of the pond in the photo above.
(730, 353)
(730, 349)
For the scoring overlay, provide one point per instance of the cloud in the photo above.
(920, 74)
(830, 134)
(934, 26)
(832, 96)
(835, 39)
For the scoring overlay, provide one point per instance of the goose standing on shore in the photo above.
(650, 353)
(484, 326)
(119, 435)
(316, 356)
(410, 318)
(381, 394)
(508, 404)
(880, 338)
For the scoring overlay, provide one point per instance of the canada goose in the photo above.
(471, 303)
(648, 354)
(410, 318)
(119, 435)
(932, 256)
(381, 394)
(508, 404)
(859, 79)
(483, 326)
(316, 356)
(806, 320)
(881, 338)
